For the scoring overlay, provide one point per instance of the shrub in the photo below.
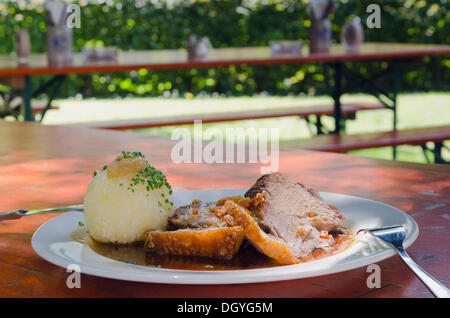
(150, 24)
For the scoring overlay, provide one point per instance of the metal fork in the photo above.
(394, 236)
(13, 215)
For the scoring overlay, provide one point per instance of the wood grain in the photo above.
(47, 166)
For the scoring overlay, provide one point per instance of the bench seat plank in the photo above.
(344, 143)
(321, 110)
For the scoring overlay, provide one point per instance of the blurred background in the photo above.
(154, 24)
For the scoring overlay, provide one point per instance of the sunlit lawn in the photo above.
(414, 110)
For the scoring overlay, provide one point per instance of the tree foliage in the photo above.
(150, 24)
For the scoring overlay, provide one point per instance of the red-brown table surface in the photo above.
(48, 166)
(178, 59)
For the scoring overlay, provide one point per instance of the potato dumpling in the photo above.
(126, 199)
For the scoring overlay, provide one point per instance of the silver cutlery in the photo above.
(394, 236)
(17, 214)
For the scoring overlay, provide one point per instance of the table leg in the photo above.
(51, 87)
(368, 85)
(337, 92)
(394, 103)
(26, 97)
(319, 125)
(57, 81)
(437, 150)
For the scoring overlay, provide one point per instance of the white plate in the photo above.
(52, 242)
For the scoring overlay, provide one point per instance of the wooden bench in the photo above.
(344, 143)
(37, 106)
(348, 110)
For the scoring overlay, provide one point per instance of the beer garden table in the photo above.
(393, 53)
(47, 166)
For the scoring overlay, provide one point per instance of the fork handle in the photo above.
(13, 215)
(438, 289)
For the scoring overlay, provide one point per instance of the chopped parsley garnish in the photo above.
(128, 155)
(80, 223)
(152, 179)
(209, 266)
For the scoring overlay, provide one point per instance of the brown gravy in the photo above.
(247, 257)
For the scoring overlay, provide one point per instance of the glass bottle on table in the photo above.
(22, 45)
(352, 35)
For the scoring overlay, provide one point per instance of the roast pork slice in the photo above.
(197, 215)
(294, 213)
(195, 230)
(265, 243)
(221, 243)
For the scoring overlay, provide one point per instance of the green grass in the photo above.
(414, 110)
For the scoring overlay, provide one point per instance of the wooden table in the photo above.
(178, 59)
(47, 166)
